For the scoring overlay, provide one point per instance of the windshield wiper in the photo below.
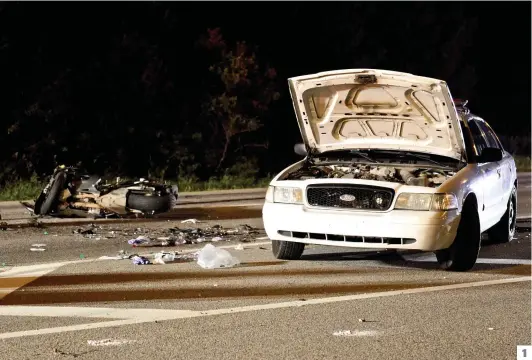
(365, 156)
(427, 158)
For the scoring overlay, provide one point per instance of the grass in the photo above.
(522, 163)
(30, 189)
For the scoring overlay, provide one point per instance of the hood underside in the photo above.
(376, 109)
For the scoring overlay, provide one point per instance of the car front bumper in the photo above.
(396, 229)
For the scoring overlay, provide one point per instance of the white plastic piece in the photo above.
(211, 257)
(188, 221)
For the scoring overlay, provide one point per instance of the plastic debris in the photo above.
(216, 238)
(239, 247)
(81, 256)
(109, 342)
(162, 258)
(140, 260)
(211, 257)
(37, 249)
(38, 245)
(190, 221)
(491, 328)
(355, 333)
(110, 258)
(141, 240)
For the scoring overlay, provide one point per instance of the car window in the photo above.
(467, 140)
(478, 138)
(490, 136)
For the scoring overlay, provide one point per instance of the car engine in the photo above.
(410, 176)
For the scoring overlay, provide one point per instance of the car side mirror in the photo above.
(300, 149)
(490, 155)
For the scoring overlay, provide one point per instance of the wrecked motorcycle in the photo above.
(69, 191)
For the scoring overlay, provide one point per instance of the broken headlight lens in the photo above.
(287, 195)
(425, 202)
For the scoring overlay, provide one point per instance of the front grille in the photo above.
(347, 238)
(360, 197)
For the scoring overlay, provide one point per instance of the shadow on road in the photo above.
(426, 260)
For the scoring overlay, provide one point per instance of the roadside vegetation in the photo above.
(30, 189)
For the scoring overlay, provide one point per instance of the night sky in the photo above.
(481, 48)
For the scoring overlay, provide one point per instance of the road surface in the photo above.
(66, 302)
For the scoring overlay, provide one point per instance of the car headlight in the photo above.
(287, 195)
(425, 202)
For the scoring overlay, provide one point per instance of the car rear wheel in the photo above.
(287, 250)
(463, 253)
(504, 230)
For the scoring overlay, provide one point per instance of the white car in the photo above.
(391, 162)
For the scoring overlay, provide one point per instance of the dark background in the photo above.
(132, 88)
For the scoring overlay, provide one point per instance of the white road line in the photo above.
(145, 315)
(90, 312)
(34, 270)
(432, 258)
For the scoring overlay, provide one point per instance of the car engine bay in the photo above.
(415, 176)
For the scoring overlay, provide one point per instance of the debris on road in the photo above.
(140, 260)
(163, 257)
(211, 257)
(109, 342)
(188, 221)
(361, 320)
(171, 236)
(110, 258)
(355, 333)
(239, 247)
(38, 245)
(141, 240)
(37, 249)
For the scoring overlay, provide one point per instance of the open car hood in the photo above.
(376, 109)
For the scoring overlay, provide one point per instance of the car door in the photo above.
(491, 178)
(505, 165)
(502, 168)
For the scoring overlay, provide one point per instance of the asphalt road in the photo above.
(66, 302)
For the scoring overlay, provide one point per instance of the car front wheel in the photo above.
(287, 250)
(504, 230)
(463, 253)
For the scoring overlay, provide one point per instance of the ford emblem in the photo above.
(347, 197)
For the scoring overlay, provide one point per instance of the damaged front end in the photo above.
(415, 176)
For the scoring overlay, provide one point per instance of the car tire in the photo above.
(287, 250)
(463, 253)
(504, 230)
(47, 203)
(150, 203)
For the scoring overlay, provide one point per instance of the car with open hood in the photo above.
(391, 161)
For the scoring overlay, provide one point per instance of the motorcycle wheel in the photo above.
(47, 203)
(151, 203)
